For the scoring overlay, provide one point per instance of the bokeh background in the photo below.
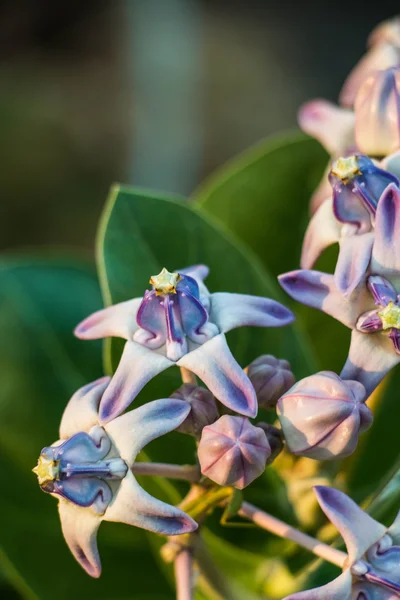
(156, 93)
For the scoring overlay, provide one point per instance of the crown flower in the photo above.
(88, 470)
(180, 323)
(372, 570)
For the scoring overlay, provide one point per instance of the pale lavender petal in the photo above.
(352, 264)
(382, 290)
(322, 231)
(338, 589)
(357, 528)
(79, 526)
(370, 322)
(323, 191)
(371, 357)
(137, 366)
(329, 124)
(229, 311)
(81, 412)
(391, 163)
(394, 530)
(319, 290)
(214, 364)
(118, 320)
(134, 430)
(134, 506)
(386, 250)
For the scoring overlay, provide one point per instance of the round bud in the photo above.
(203, 408)
(271, 377)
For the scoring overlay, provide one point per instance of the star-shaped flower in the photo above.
(371, 309)
(180, 323)
(372, 571)
(88, 470)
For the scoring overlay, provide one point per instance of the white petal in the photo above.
(81, 412)
(118, 320)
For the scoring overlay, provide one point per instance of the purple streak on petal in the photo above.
(83, 491)
(137, 366)
(348, 207)
(214, 364)
(188, 284)
(369, 322)
(338, 589)
(134, 430)
(194, 317)
(371, 357)
(176, 345)
(134, 506)
(354, 257)
(381, 289)
(151, 318)
(386, 251)
(79, 526)
(323, 231)
(359, 530)
(229, 311)
(319, 290)
(395, 337)
(118, 320)
(81, 412)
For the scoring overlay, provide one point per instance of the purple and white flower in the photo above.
(372, 571)
(348, 218)
(88, 470)
(372, 309)
(180, 323)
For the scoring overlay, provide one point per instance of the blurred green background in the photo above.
(155, 93)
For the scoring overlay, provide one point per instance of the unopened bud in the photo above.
(203, 408)
(271, 377)
(275, 440)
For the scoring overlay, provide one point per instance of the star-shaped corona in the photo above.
(165, 282)
(346, 168)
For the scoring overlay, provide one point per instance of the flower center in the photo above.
(346, 168)
(47, 469)
(390, 316)
(165, 282)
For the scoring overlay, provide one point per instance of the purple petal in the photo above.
(188, 285)
(229, 311)
(176, 344)
(359, 530)
(118, 320)
(134, 430)
(81, 412)
(79, 526)
(134, 506)
(214, 364)
(368, 591)
(83, 491)
(319, 290)
(371, 357)
(386, 250)
(349, 208)
(323, 231)
(194, 317)
(198, 272)
(370, 322)
(382, 290)
(137, 366)
(329, 124)
(151, 319)
(81, 447)
(354, 256)
(338, 589)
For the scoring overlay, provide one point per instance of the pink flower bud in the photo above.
(377, 113)
(233, 452)
(322, 416)
(203, 408)
(271, 378)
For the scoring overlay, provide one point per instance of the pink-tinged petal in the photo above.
(214, 364)
(386, 31)
(322, 231)
(323, 191)
(81, 412)
(137, 366)
(329, 124)
(354, 257)
(338, 589)
(229, 311)
(371, 357)
(386, 250)
(79, 526)
(319, 290)
(134, 506)
(357, 528)
(382, 56)
(118, 320)
(134, 430)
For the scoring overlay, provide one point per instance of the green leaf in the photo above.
(42, 364)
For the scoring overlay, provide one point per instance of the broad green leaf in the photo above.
(42, 364)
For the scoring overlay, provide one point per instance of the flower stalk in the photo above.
(183, 568)
(184, 472)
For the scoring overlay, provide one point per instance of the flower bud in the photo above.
(271, 377)
(233, 452)
(322, 416)
(275, 440)
(203, 408)
(377, 115)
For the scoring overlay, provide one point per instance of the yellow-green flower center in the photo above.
(165, 282)
(390, 316)
(46, 469)
(346, 168)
